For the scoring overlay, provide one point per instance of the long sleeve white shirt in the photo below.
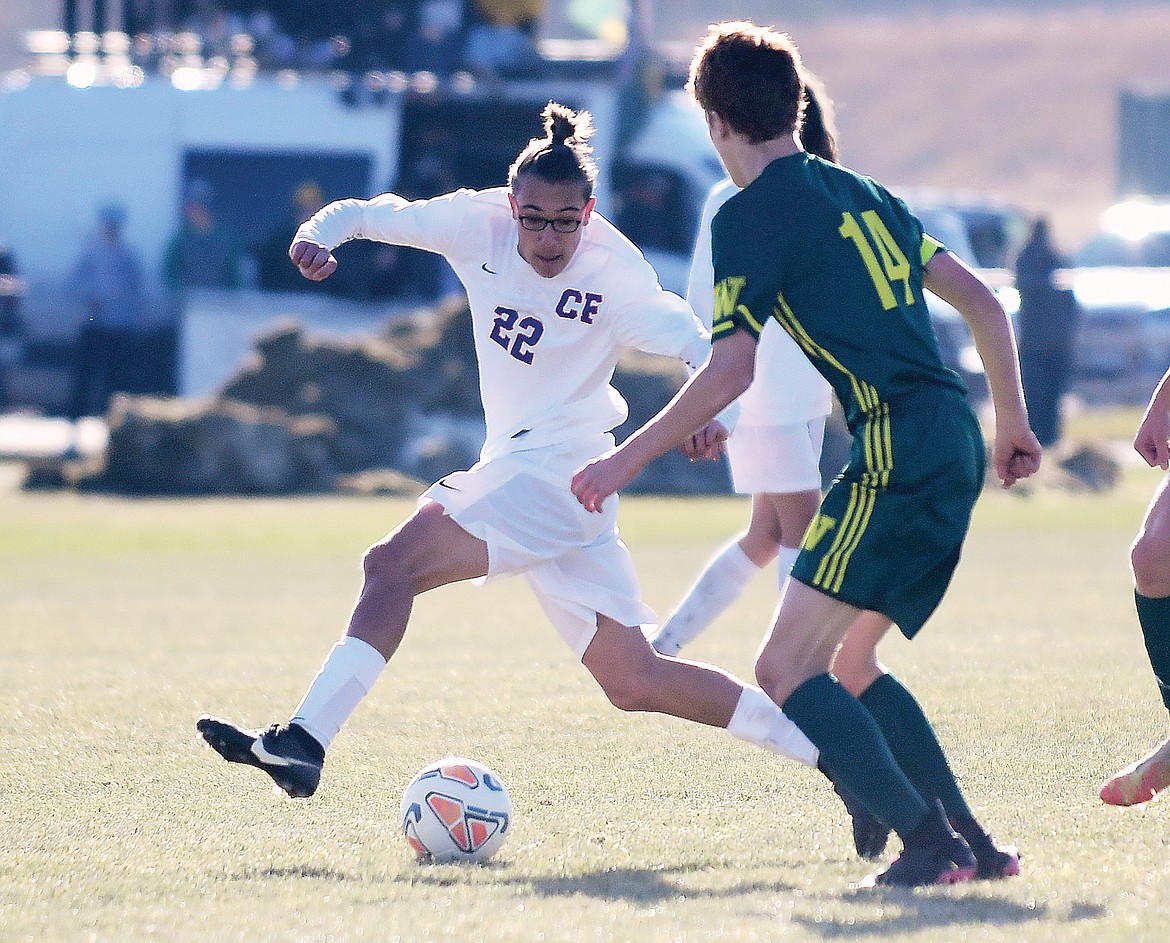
(786, 388)
(547, 347)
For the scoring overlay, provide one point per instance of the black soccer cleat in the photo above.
(994, 861)
(870, 833)
(1003, 862)
(933, 855)
(285, 752)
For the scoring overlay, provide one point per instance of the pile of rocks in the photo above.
(311, 415)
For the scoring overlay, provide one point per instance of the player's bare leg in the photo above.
(778, 522)
(636, 678)
(1150, 558)
(426, 551)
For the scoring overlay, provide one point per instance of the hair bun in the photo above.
(563, 126)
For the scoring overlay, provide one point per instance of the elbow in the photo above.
(732, 384)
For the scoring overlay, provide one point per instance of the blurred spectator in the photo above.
(96, 22)
(12, 338)
(501, 37)
(201, 254)
(437, 45)
(1047, 331)
(107, 281)
(430, 174)
(273, 47)
(377, 43)
(274, 271)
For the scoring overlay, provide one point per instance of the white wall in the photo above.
(65, 151)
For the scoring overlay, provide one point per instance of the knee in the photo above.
(778, 681)
(386, 563)
(855, 670)
(628, 689)
(1151, 572)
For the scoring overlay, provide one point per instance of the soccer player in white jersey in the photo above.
(556, 295)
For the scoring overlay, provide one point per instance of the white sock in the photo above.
(758, 719)
(717, 587)
(346, 676)
(784, 560)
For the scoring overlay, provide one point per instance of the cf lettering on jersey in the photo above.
(820, 526)
(727, 296)
(579, 305)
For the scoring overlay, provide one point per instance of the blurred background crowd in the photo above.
(121, 242)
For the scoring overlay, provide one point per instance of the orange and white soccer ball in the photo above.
(456, 809)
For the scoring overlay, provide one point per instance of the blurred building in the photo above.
(1143, 142)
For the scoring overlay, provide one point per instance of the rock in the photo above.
(170, 446)
(1092, 468)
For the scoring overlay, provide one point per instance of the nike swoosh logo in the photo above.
(488, 270)
(272, 759)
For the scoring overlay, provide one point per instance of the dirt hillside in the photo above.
(1022, 104)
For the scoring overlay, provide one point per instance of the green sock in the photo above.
(1154, 616)
(914, 743)
(852, 746)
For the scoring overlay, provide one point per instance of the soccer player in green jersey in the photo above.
(842, 264)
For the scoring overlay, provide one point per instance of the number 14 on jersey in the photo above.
(884, 260)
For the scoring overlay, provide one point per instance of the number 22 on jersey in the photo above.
(884, 260)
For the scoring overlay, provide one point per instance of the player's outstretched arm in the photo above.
(725, 375)
(1152, 441)
(315, 261)
(1016, 452)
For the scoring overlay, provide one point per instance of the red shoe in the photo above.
(1141, 781)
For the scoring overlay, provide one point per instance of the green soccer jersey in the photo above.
(838, 261)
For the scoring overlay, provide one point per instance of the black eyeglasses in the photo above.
(561, 224)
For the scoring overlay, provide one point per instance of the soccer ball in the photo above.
(456, 809)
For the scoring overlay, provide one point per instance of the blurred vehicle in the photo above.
(985, 233)
(1121, 281)
(995, 229)
(1135, 233)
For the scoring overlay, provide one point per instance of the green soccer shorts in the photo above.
(889, 532)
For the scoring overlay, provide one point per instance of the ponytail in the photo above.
(563, 154)
(817, 134)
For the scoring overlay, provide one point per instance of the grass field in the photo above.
(122, 620)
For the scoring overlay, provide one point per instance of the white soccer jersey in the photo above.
(547, 347)
(787, 388)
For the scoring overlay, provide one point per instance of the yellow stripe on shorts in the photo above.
(831, 571)
(879, 452)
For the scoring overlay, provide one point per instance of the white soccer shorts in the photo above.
(776, 459)
(521, 506)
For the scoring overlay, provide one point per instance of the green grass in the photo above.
(121, 621)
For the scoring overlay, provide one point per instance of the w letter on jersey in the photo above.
(727, 296)
(820, 526)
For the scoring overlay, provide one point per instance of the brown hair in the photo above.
(752, 77)
(563, 153)
(817, 132)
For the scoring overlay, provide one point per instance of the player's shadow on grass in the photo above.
(917, 910)
(638, 885)
(305, 872)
